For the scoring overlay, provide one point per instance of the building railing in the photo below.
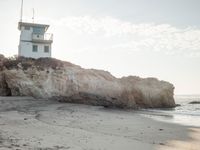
(42, 37)
(48, 36)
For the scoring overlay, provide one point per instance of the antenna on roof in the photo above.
(33, 15)
(21, 13)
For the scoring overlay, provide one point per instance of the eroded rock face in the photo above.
(63, 81)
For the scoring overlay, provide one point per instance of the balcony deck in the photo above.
(42, 38)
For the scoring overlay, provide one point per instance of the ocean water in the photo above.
(185, 114)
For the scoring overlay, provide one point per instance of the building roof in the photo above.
(20, 24)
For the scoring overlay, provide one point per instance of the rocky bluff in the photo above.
(54, 79)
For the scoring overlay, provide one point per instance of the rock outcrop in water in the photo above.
(63, 81)
(194, 102)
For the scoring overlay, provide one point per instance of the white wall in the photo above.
(25, 49)
(38, 37)
(26, 35)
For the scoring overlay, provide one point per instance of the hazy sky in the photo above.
(147, 38)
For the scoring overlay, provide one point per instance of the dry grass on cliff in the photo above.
(25, 63)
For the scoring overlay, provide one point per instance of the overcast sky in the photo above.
(147, 38)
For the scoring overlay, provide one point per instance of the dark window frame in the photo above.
(46, 49)
(38, 30)
(35, 48)
(27, 28)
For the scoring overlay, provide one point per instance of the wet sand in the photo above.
(30, 124)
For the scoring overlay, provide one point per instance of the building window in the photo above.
(38, 30)
(35, 48)
(27, 28)
(46, 49)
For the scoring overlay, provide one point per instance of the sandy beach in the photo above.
(30, 124)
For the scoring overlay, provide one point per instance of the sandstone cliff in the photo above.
(63, 81)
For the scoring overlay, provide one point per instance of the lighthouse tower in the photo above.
(34, 41)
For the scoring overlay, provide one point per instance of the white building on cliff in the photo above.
(34, 41)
